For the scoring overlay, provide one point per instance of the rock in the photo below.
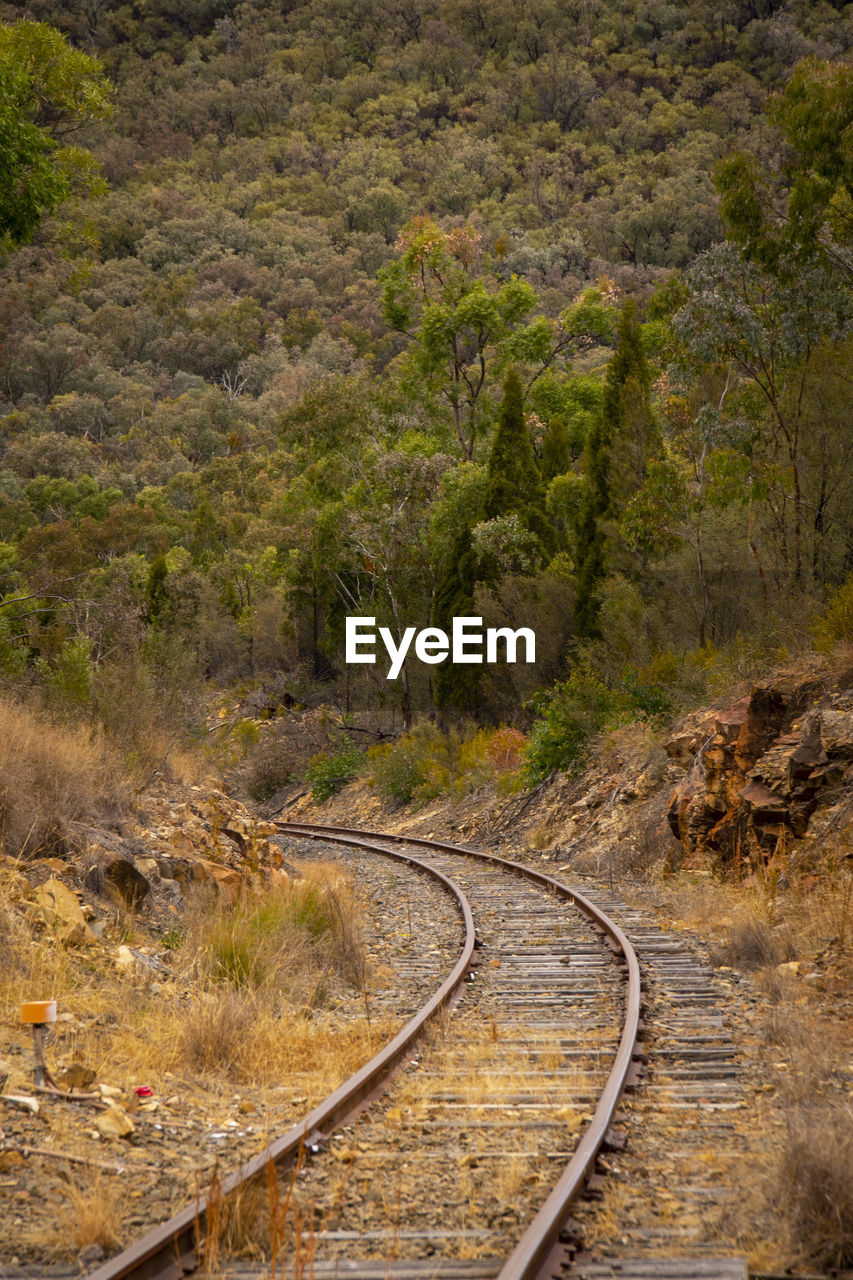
(134, 958)
(60, 911)
(764, 805)
(114, 1122)
(764, 720)
(189, 871)
(728, 723)
(147, 867)
(773, 759)
(115, 876)
(836, 733)
(75, 1076)
(22, 1102)
(89, 1256)
(109, 1091)
(680, 747)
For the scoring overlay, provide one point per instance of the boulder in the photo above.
(836, 733)
(115, 876)
(59, 909)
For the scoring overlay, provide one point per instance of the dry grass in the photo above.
(793, 933)
(51, 776)
(94, 1213)
(213, 1034)
(232, 1035)
(288, 942)
(242, 998)
(813, 1183)
(752, 943)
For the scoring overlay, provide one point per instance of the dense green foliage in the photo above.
(412, 313)
(47, 91)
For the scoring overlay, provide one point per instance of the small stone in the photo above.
(114, 1123)
(22, 1102)
(90, 1256)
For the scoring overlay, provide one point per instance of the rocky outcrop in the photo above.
(762, 768)
(187, 838)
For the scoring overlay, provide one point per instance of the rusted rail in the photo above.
(171, 1250)
(538, 1252)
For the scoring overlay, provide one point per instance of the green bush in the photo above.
(397, 772)
(328, 771)
(68, 680)
(263, 941)
(575, 712)
(835, 625)
(569, 717)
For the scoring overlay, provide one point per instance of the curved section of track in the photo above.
(171, 1250)
(538, 1253)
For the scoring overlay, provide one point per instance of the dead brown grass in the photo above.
(793, 934)
(752, 943)
(94, 1212)
(51, 776)
(291, 941)
(813, 1183)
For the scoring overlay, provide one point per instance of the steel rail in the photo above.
(538, 1254)
(169, 1251)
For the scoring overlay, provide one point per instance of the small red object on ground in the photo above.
(144, 1091)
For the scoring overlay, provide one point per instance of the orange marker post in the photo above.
(38, 1013)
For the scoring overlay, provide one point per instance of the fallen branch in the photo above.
(72, 1158)
(63, 1095)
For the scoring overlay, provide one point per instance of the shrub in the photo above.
(835, 625)
(814, 1189)
(397, 772)
(569, 717)
(505, 750)
(572, 714)
(213, 1032)
(271, 769)
(328, 772)
(68, 680)
(751, 943)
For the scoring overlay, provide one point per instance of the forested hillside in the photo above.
(539, 313)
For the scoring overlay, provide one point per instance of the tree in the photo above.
(617, 452)
(465, 322)
(514, 481)
(770, 328)
(804, 207)
(463, 317)
(589, 535)
(48, 90)
(456, 688)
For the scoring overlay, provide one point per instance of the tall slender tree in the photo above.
(514, 482)
(618, 449)
(456, 688)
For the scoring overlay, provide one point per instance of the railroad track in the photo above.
(470, 1163)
